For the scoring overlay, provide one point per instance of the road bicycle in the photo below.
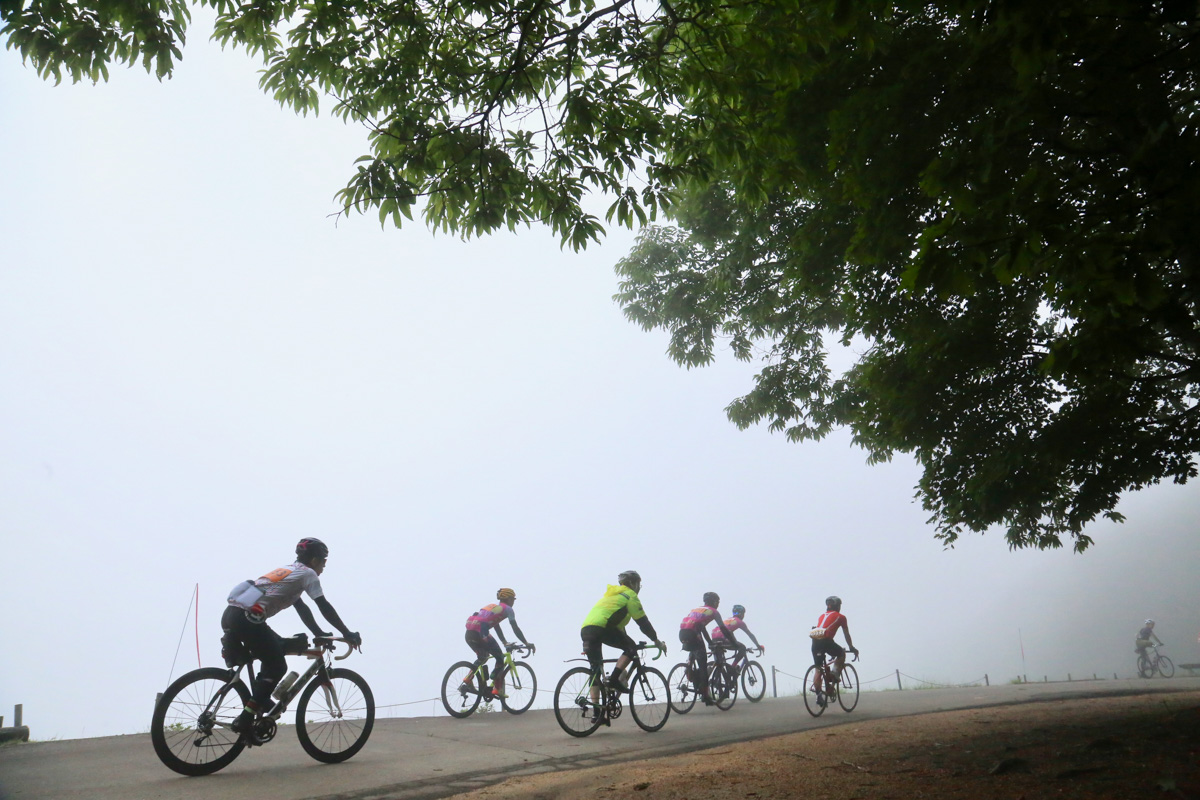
(722, 682)
(752, 674)
(583, 700)
(192, 725)
(844, 687)
(1148, 664)
(466, 683)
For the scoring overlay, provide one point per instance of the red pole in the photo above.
(198, 664)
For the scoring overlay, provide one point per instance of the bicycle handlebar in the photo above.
(323, 643)
(524, 649)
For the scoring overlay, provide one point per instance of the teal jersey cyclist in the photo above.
(605, 625)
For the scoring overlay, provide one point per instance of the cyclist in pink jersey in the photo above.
(733, 625)
(693, 636)
(479, 638)
(822, 635)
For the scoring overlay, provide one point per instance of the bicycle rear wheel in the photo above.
(190, 728)
(848, 688)
(683, 694)
(573, 706)
(459, 703)
(722, 686)
(1144, 667)
(1166, 667)
(520, 686)
(649, 699)
(754, 681)
(814, 701)
(334, 723)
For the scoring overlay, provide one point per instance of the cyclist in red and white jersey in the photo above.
(828, 624)
(479, 638)
(253, 602)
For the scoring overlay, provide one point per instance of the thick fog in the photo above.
(199, 366)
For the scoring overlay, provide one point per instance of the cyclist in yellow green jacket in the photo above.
(606, 622)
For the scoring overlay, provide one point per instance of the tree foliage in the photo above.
(994, 197)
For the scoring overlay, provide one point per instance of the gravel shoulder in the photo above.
(1103, 747)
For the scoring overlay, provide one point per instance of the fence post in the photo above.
(17, 709)
(1068, 677)
(1045, 679)
(898, 684)
(774, 686)
(986, 682)
(1024, 679)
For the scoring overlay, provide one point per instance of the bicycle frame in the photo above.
(505, 668)
(319, 656)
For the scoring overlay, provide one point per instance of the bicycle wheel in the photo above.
(649, 699)
(683, 694)
(459, 703)
(754, 681)
(1144, 667)
(1166, 667)
(520, 684)
(848, 688)
(573, 706)
(815, 702)
(335, 722)
(722, 686)
(190, 727)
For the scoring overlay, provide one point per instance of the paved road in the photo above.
(433, 757)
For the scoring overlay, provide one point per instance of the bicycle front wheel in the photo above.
(335, 716)
(520, 686)
(754, 681)
(1166, 667)
(814, 701)
(848, 688)
(190, 728)
(1145, 668)
(573, 706)
(649, 699)
(722, 686)
(683, 694)
(459, 702)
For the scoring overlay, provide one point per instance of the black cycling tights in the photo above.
(265, 645)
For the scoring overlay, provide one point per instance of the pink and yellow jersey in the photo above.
(698, 618)
(489, 617)
(732, 624)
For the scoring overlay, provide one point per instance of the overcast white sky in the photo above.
(198, 367)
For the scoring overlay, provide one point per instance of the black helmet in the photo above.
(834, 602)
(309, 548)
(712, 599)
(630, 578)
(739, 610)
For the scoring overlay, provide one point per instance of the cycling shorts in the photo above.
(596, 635)
(823, 647)
(689, 639)
(484, 645)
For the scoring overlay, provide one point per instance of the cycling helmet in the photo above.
(712, 599)
(506, 595)
(834, 602)
(309, 548)
(1149, 622)
(630, 578)
(739, 611)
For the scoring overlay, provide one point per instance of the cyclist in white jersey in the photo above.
(253, 602)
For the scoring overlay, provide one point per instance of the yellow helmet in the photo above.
(506, 595)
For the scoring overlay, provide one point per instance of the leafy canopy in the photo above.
(996, 197)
